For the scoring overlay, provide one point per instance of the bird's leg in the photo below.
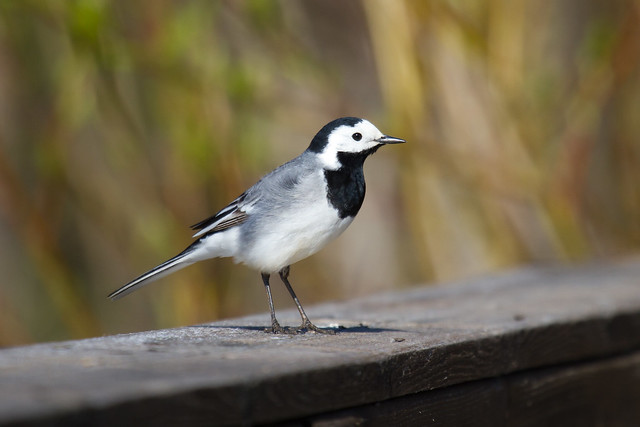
(275, 326)
(306, 323)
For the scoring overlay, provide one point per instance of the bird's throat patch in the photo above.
(346, 186)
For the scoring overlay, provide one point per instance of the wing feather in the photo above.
(230, 215)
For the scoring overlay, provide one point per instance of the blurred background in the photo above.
(122, 123)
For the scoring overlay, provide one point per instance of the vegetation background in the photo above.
(121, 123)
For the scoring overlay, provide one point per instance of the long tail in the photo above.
(174, 264)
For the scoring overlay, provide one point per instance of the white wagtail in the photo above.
(290, 214)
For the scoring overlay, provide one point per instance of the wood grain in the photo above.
(602, 392)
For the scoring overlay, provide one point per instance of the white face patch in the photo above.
(349, 139)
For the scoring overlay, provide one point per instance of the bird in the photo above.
(288, 215)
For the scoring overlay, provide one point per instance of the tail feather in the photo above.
(174, 264)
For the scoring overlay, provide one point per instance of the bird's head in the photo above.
(351, 136)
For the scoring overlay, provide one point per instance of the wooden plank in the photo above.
(478, 403)
(604, 392)
(601, 392)
(387, 346)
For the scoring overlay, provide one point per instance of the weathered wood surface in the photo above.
(523, 348)
(601, 392)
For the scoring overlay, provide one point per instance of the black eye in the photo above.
(357, 136)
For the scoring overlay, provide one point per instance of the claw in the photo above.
(276, 329)
(308, 326)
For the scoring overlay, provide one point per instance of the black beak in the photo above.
(386, 139)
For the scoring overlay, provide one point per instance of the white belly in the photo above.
(288, 238)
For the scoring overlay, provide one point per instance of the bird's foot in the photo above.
(276, 328)
(307, 326)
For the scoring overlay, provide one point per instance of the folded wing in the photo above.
(231, 215)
